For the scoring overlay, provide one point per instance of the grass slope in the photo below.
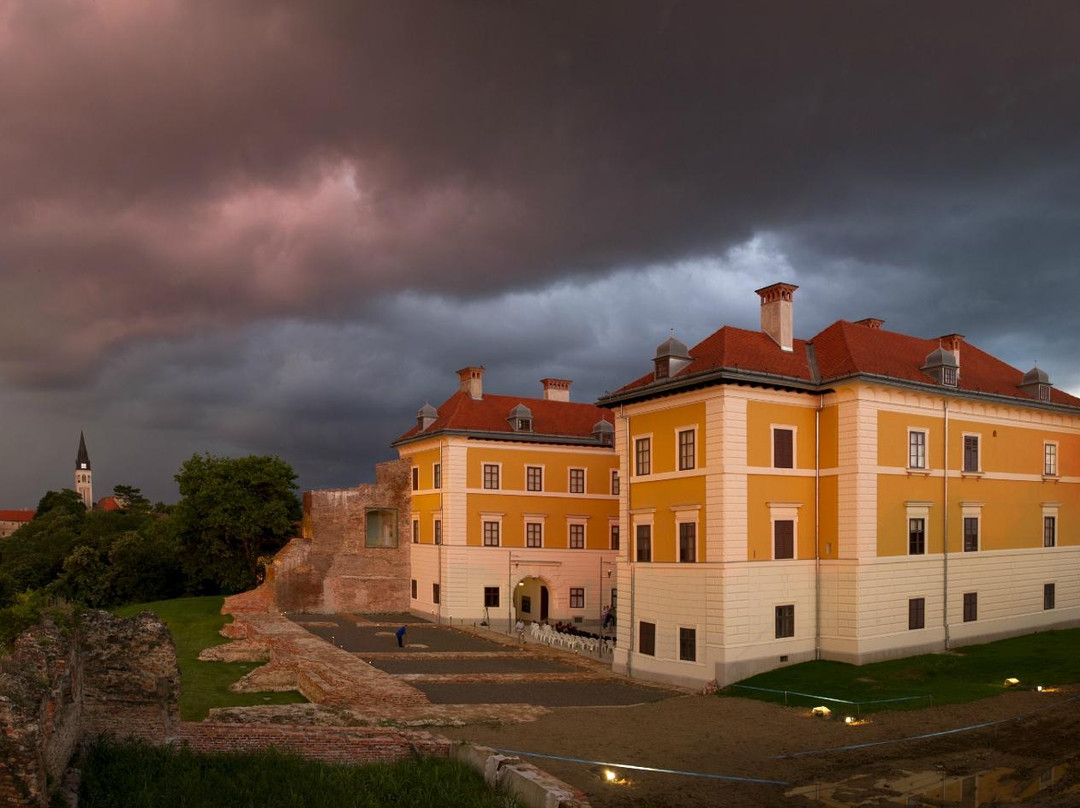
(966, 674)
(194, 624)
(141, 776)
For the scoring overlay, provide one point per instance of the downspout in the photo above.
(817, 526)
(631, 543)
(945, 522)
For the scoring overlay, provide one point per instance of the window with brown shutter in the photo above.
(783, 449)
(647, 638)
(784, 538)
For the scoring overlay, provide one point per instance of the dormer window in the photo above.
(604, 433)
(671, 357)
(941, 365)
(1036, 382)
(521, 419)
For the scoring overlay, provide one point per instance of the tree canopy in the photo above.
(232, 512)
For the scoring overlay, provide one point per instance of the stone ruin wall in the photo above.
(60, 688)
(328, 568)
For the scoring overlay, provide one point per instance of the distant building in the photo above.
(514, 505)
(84, 477)
(10, 521)
(857, 496)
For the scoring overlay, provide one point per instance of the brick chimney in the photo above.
(870, 322)
(472, 381)
(776, 313)
(556, 389)
(951, 343)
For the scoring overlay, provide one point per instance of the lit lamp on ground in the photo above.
(1012, 681)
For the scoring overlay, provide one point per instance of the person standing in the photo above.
(400, 634)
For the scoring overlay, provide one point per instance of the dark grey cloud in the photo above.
(270, 226)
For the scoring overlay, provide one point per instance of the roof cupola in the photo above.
(672, 356)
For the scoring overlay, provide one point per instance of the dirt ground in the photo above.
(743, 738)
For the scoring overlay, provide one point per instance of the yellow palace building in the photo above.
(514, 506)
(861, 495)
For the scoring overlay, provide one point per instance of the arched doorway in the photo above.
(532, 599)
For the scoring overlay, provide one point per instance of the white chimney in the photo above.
(777, 315)
(556, 389)
(472, 381)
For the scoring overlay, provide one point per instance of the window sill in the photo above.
(918, 472)
(966, 473)
(1051, 478)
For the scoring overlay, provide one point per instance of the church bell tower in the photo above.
(84, 485)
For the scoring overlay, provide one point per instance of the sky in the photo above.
(259, 227)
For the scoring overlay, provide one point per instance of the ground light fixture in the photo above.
(1012, 681)
(821, 711)
(612, 777)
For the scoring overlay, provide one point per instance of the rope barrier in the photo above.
(729, 777)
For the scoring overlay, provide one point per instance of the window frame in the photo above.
(614, 536)
(646, 648)
(642, 455)
(971, 607)
(415, 478)
(539, 538)
(578, 474)
(916, 614)
(1049, 596)
(491, 472)
(919, 549)
(413, 589)
(435, 593)
(571, 529)
(492, 593)
(776, 539)
(682, 525)
(491, 529)
(638, 528)
(976, 437)
(775, 430)
(687, 644)
(966, 520)
(539, 473)
(416, 530)
(681, 455)
(784, 616)
(1051, 455)
(923, 450)
(614, 481)
(577, 597)
(436, 534)
(1049, 530)
(436, 475)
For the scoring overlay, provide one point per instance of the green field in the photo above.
(194, 624)
(966, 674)
(136, 775)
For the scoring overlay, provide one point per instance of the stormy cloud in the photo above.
(267, 226)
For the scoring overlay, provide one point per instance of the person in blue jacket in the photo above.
(400, 634)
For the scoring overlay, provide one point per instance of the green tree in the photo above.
(130, 499)
(231, 512)
(65, 499)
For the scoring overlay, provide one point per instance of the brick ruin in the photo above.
(61, 687)
(352, 554)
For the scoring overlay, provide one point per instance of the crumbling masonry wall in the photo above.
(60, 687)
(329, 568)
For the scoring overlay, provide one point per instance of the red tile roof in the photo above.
(16, 516)
(463, 413)
(842, 350)
(108, 504)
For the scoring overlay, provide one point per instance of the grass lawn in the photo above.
(142, 776)
(965, 674)
(194, 624)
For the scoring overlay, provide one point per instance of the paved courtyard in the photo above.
(453, 665)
